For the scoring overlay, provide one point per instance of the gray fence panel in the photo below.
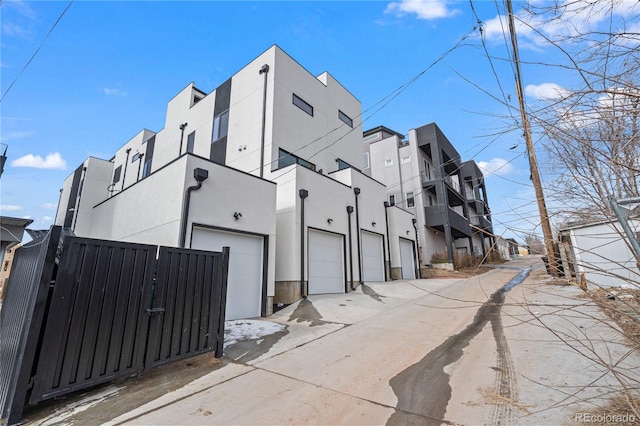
(97, 325)
(21, 319)
(188, 306)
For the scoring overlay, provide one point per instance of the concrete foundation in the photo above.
(287, 292)
(396, 273)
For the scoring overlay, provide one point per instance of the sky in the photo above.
(80, 79)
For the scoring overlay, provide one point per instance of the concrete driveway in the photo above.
(438, 351)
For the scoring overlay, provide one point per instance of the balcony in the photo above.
(439, 216)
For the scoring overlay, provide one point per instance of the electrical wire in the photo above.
(37, 50)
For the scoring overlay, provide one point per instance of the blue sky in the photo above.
(108, 69)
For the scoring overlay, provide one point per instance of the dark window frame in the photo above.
(117, 174)
(191, 142)
(302, 104)
(285, 159)
(345, 119)
(220, 126)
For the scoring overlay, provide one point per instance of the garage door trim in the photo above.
(383, 251)
(265, 256)
(344, 255)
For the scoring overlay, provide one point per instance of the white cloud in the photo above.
(546, 91)
(423, 9)
(46, 219)
(51, 161)
(565, 19)
(114, 92)
(496, 166)
(49, 206)
(10, 208)
(14, 30)
(11, 136)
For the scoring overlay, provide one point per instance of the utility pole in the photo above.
(533, 163)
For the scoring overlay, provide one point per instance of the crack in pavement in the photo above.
(424, 390)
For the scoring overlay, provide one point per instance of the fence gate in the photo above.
(115, 310)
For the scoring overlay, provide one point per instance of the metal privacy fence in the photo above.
(116, 309)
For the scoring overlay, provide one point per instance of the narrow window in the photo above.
(303, 105)
(366, 160)
(410, 201)
(392, 200)
(406, 159)
(220, 126)
(191, 141)
(388, 163)
(345, 118)
(116, 174)
(148, 157)
(427, 170)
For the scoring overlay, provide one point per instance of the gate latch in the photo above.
(154, 311)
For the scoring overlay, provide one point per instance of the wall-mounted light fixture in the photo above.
(408, 232)
(329, 221)
(237, 215)
(373, 224)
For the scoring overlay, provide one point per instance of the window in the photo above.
(366, 160)
(286, 159)
(388, 163)
(432, 200)
(191, 141)
(410, 201)
(300, 103)
(148, 157)
(343, 164)
(345, 118)
(135, 157)
(392, 200)
(116, 174)
(220, 126)
(371, 138)
(406, 160)
(427, 170)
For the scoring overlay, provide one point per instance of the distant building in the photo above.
(425, 175)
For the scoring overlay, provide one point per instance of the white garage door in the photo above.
(326, 259)
(406, 257)
(372, 257)
(244, 283)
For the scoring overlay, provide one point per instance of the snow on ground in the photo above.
(240, 330)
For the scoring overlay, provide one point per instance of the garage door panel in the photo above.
(407, 259)
(372, 257)
(244, 283)
(326, 263)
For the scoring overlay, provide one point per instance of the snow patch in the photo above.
(242, 330)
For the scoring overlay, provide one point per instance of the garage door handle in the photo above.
(155, 311)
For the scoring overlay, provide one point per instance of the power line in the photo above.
(36, 52)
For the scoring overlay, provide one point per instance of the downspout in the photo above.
(126, 163)
(349, 211)
(303, 194)
(77, 206)
(416, 248)
(264, 70)
(200, 175)
(386, 219)
(182, 127)
(357, 192)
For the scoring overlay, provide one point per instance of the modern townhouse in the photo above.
(262, 164)
(426, 176)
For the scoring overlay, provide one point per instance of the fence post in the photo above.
(224, 272)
